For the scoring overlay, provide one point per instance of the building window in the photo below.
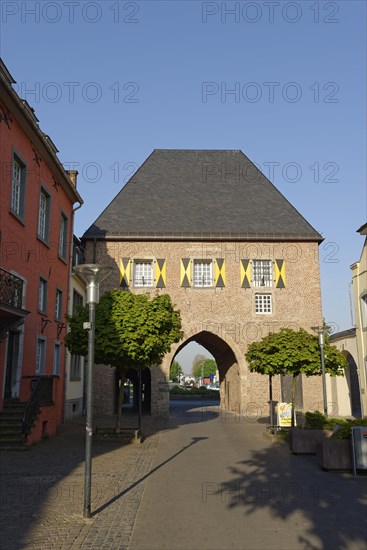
(58, 305)
(63, 236)
(263, 303)
(41, 355)
(364, 310)
(42, 295)
(77, 301)
(75, 370)
(57, 358)
(203, 273)
(18, 187)
(262, 273)
(44, 215)
(143, 273)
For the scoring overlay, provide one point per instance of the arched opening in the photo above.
(351, 375)
(132, 391)
(227, 363)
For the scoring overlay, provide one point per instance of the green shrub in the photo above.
(345, 431)
(176, 390)
(314, 421)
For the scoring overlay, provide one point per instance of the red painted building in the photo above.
(38, 198)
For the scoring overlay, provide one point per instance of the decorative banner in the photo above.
(279, 274)
(284, 413)
(185, 275)
(125, 266)
(245, 274)
(161, 273)
(220, 273)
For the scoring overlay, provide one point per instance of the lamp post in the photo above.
(92, 275)
(321, 331)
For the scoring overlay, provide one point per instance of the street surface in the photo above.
(202, 479)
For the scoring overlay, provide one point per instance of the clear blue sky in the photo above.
(110, 81)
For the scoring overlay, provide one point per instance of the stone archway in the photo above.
(231, 366)
(351, 375)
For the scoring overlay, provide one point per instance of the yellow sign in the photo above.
(284, 412)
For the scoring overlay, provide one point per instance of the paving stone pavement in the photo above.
(41, 491)
(200, 480)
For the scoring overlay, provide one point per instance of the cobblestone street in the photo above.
(42, 492)
(202, 479)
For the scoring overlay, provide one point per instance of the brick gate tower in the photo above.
(238, 260)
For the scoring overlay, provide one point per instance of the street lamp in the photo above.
(321, 331)
(92, 275)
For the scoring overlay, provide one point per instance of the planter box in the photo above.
(304, 441)
(335, 454)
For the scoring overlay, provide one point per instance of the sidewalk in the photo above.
(200, 480)
(219, 483)
(41, 490)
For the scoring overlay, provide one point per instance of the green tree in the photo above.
(293, 352)
(196, 364)
(205, 368)
(175, 371)
(132, 331)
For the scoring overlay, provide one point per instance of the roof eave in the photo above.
(37, 137)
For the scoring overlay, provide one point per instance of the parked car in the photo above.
(214, 386)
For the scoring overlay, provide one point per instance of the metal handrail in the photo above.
(41, 393)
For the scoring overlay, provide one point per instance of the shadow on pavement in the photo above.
(41, 490)
(294, 489)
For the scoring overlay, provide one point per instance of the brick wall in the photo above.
(224, 319)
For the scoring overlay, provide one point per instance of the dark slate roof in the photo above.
(188, 194)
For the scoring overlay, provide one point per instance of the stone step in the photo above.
(15, 447)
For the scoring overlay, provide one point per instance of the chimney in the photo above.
(73, 174)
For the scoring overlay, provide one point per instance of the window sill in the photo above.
(46, 243)
(72, 379)
(62, 259)
(19, 218)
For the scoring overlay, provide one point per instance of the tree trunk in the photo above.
(120, 401)
(294, 385)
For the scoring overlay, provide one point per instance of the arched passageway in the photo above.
(227, 363)
(351, 375)
(132, 376)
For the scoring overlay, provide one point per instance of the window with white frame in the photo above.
(63, 236)
(57, 358)
(58, 305)
(42, 295)
(41, 355)
(203, 273)
(143, 273)
(262, 273)
(75, 367)
(18, 187)
(263, 304)
(44, 215)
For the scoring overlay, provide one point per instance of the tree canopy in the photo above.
(205, 368)
(175, 370)
(293, 352)
(132, 331)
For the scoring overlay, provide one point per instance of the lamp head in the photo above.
(321, 331)
(92, 275)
